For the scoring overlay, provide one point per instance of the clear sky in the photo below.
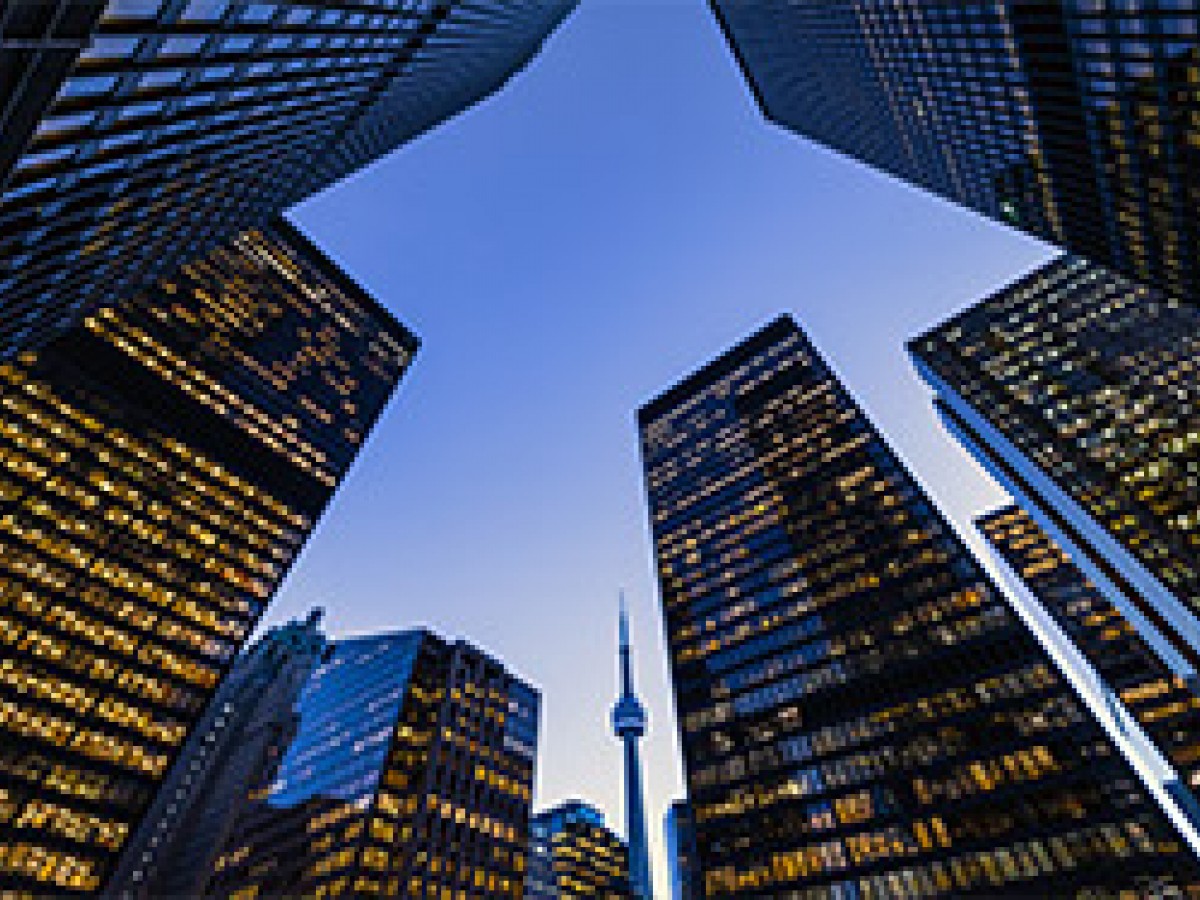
(616, 217)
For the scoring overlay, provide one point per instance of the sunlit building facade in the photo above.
(410, 775)
(138, 134)
(1076, 121)
(861, 712)
(1077, 389)
(161, 464)
(572, 853)
(1133, 675)
(236, 748)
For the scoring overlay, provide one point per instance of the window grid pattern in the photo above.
(1076, 121)
(185, 122)
(411, 775)
(572, 853)
(861, 712)
(1093, 379)
(143, 530)
(1158, 700)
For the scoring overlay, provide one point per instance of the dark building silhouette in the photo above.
(161, 465)
(861, 712)
(572, 853)
(1075, 122)
(135, 135)
(684, 869)
(1133, 675)
(234, 751)
(1077, 389)
(411, 774)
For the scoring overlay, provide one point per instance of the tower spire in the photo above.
(629, 724)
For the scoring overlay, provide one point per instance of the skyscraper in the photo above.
(137, 134)
(411, 774)
(629, 724)
(1133, 675)
(684, 870)
(161, 465)
(1076, 388)
(235, 748)
(1073, 121)
(572, 853)
(861, 713)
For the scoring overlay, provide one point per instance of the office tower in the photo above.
(573, 854)
(685, 875)
(1073, 121)
(138, 134)
(161, 464)
(1133, 675)
(235, 748)
(861, 713)
(1077, 389)
(410, 775)
(629, 724)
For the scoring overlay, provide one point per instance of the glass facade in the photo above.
(1158, 700)
(411, 774)
(155, 487)
(237, 746)
(572, 853)
(861, 712)
(138, 134)
(1077, 121)
(684, 869)
(1077, 388)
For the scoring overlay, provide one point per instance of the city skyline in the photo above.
(566, 250)
(706, 216)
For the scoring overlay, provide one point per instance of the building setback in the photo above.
(861, 713)
(572, 853)
(1073, 121)
(1077, 389)
(234, 750)
(138, 134)
(410, 775)
(1133, 674)
(684, 871)
(161, 464)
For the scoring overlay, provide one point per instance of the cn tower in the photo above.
(629, 724)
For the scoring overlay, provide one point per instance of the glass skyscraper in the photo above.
(1133, 675)
(1077, 388)
(411, 774)
(138, 134)
(161, 464)
(572, 853)
(1074, 120)
(861, 713)
(237, 746)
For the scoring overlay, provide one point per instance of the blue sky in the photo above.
(617, 216)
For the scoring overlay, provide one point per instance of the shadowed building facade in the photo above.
(137, 134)
(572, 853)
(161, 465)
(682, 865)
(861, 712)
(1077, 389)
(410, 775)
(1075, 121)
(1134, 676)
(236, 747)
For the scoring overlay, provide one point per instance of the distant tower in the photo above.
(629, 724)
